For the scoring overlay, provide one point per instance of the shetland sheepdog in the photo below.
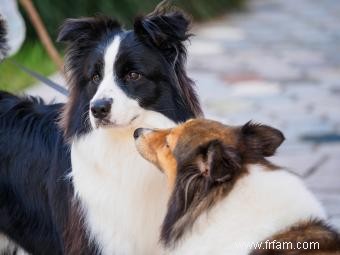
(227, 198)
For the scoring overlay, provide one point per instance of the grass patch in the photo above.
(31, 55)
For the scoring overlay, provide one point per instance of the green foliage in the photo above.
(54, 12)
(31, 55)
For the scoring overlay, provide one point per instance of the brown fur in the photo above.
(203, 160)
(74, 244)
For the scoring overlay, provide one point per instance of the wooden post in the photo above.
(42, 33)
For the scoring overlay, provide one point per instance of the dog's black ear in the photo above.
(165, 30)
(75, 30)
(218, 162)
(260, 140)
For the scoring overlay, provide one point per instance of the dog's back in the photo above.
(33, 159)
(28, 138)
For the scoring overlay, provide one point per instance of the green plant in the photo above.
(54, 12)
(31, 55)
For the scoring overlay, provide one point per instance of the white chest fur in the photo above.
(122, 195)
(260, 205)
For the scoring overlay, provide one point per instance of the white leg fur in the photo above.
(123, 196)
(260, 205)
(7, 246)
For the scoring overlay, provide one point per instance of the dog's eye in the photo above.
(96, 78)
(133, 76)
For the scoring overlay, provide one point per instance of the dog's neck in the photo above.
(259, 204)
(123, 197)
(191, 196)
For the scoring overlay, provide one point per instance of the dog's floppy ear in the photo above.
(75, 30)
(217, 162)
(260, 140)
(165, 30)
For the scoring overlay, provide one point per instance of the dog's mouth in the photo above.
(106, 123)
(103, 123)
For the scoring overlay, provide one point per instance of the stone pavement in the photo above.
(277, 62)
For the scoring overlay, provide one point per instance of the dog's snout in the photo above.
(139, 131)
(101, 108)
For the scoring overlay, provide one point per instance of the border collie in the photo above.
(118, 80)
(225, 194)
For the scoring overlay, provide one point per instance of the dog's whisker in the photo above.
(187, 188)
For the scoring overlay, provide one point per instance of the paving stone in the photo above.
(336, 222)
(201, 48)
(254, 89)
(298, 56)
(234, 78)
(331, 201)
(298, 163)
(327, 177)
(302, 61)
(223, 33)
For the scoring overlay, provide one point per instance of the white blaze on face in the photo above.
(123, 109)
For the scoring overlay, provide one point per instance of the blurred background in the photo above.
(271, 61)
(53, 13)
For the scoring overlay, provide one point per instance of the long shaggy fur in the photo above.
(28, 138)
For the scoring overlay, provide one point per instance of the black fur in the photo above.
(167, 31)
(36, 208)
(28, 136)
(259, 141)
(164, 87)
(86, 39)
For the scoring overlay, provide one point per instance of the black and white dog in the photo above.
(111, 201)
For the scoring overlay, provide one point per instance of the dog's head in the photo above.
(214, 151)
(203, 160)
(118, 75)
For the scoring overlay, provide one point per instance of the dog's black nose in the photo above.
(101, 108)
(137, 132)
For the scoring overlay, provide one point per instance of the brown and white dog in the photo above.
(227, 198)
